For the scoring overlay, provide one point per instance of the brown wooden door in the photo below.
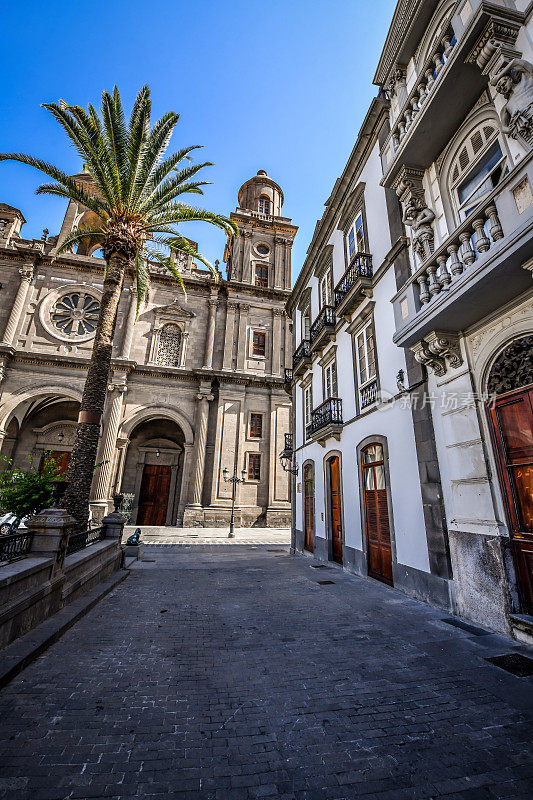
(512, 419)
(376, 514)
(61, 457)
(153, 498)
(335, 508)
(309, 508)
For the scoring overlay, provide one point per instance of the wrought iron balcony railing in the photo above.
(368, 394)
(301, 354)
(328, 413)
(360, 267)
(325, 320)
(288, 442)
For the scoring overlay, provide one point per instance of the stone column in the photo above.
(231, 308)
(202, 413)
(26, 275)
(247, 257)
(279, 241)
(122, 446)
(129, 324)
(210, 338)
(104, 474)
(241, 345)
(3, 366)
(277, 314)
(185, 478)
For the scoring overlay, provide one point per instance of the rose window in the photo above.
(75, 314)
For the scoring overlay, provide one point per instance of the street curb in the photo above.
(20, 653)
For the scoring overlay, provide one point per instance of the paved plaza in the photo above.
(229, 673)
(218, 536)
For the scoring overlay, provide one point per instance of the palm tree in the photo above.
(134, 195)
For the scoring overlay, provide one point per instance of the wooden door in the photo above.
(512, 422)
(61, 457)
(378, 541)
(335, 509)
(309, 508)
(153, 498)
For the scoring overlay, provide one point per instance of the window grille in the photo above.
(169, 347)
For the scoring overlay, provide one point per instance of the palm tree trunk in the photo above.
(83, 458)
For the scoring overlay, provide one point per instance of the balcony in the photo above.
(326, 421)
(288, 444)
(351, 287)
(301, 358)
(323, 328)
(483, 265)
(446, 88)
(368, 394)
(288, 376)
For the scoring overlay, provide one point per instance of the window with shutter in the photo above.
(256, 425)
(376, 507)
(258, 343)
(254, 467)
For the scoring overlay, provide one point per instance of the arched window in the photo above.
(264, 204)
(478, 164)
(169, 347)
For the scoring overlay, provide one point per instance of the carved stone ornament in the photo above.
(495, 46)
(416, 213)
(439, 351)
(515, 82)
(513, 368)
(397, 76)
(424, 356)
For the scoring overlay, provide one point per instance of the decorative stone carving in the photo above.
(446, 346)
(424, 356)
(416, 213)
(515, 82)
(513, 368)
(495, 46)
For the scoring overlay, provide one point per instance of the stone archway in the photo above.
(152, 470)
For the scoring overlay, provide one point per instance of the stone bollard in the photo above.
(51, 529)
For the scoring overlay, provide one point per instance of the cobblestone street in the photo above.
(233, 673)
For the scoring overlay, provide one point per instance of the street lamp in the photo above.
(288, 462)
(234, 480)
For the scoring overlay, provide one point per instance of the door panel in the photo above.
(309, 509)
(153, 497)
(378, 540)
(512, 426)
(335, 508)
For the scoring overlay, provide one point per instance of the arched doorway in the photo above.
(333, 473)
(510, 411)
(153, 471)
(309, 508)
(375, 503)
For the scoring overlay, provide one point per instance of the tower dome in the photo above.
(261, 194)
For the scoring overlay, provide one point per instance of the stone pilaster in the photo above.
(210, 336)
(241, 345)
(202, 413)
(279, 247)
(277, 314)
(130, 324)
(26, 276)
(102, 487)
(287, 264)
(247, 257)
(231, 309)
(122, 448)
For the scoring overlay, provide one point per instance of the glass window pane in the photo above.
(369, 479)
(361, 357)
(380, 476)
(373, 453)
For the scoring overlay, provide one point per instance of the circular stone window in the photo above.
(71, 313)
(262, 249)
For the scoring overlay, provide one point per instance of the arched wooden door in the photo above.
(335, 507)
(512, 421)
(309, 508)
(378, 542)
(153, 498)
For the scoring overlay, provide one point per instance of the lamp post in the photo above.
(234, 480)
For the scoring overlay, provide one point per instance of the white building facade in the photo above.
(413, 432)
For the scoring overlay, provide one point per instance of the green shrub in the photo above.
(25, 492)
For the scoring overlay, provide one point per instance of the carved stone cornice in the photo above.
(408, 183)
(495, 45)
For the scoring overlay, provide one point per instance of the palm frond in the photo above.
(164, 169)
(142, 280)
(78, 237)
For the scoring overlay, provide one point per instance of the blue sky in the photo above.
(281, 86)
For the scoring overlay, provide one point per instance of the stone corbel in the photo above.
(445, 345)
(495, 46)
(424, 356)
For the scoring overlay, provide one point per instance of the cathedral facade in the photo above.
(197, 384)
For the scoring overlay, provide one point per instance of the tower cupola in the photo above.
(262, 195)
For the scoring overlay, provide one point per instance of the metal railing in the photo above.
(326, 319)
(368, 394)
(78, 541)
(288, 441)
(288, 376)
(302, 351)
(328, 413)
(360, 267)
(15, 546)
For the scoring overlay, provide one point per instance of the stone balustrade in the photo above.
(423, 89)
(473, 238)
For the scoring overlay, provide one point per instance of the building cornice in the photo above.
(377, 114)
(401, 40)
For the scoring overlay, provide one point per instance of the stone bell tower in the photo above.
(261, 255)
